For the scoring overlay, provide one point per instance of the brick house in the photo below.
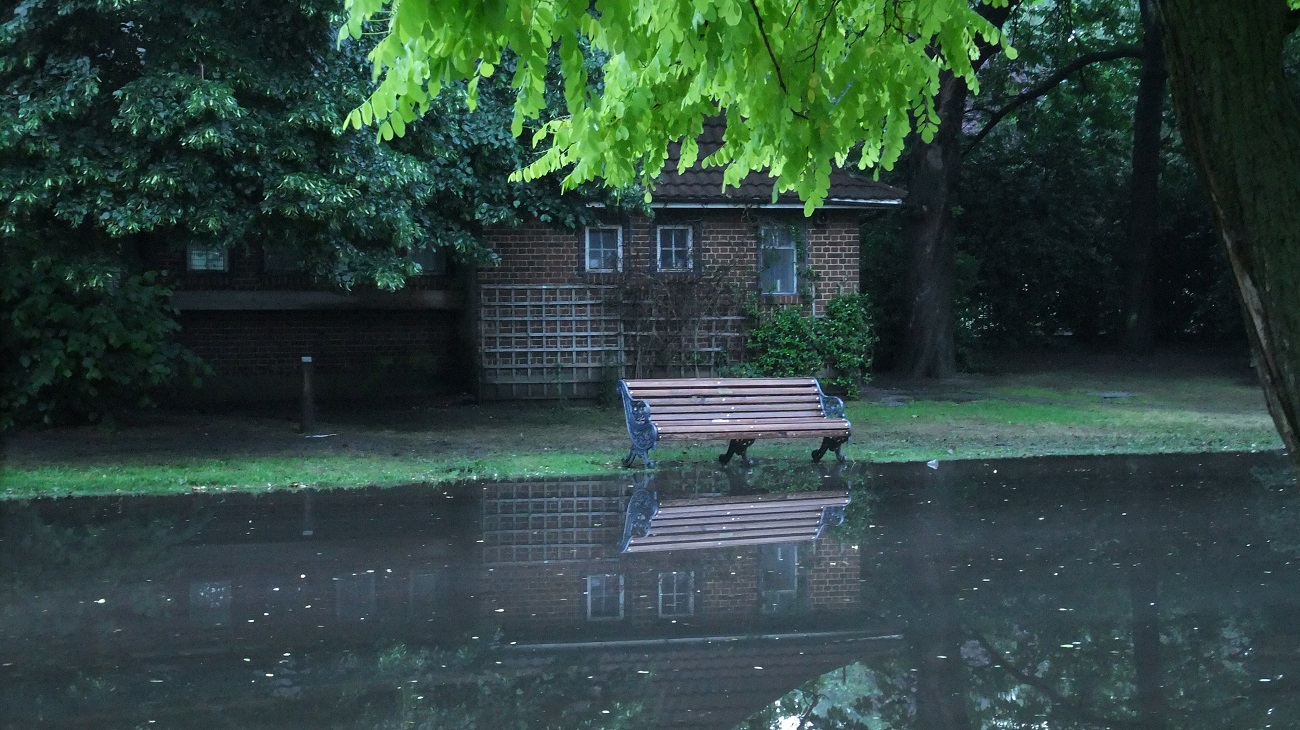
(566, 312)
(563, 314)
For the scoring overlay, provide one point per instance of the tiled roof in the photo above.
(718, 684)
(699, 186)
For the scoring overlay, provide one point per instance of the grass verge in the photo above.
(1051, 412)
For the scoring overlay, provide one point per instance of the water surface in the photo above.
(1066, 592)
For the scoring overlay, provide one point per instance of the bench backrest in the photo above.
(761, 398)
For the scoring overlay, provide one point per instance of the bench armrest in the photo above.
(643, 432)
(832, 406)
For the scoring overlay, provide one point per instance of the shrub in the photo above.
(787, 343)
(82, 341)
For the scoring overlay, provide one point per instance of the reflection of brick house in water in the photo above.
(551, 564)
(563, 313)
(295, 575)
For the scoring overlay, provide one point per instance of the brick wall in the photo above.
(724, 239)
(269, 342)
(835, 581)
(256, 353)
(726, 581)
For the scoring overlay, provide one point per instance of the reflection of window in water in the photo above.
(354, 596)
(778, 577)
(676, 594)
(428, 592)
(210, 603)
(604, 597)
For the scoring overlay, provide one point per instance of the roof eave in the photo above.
(829, 204)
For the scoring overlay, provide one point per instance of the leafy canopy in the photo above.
(802, 83)
(132, 127)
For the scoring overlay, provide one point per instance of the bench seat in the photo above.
(738, 410)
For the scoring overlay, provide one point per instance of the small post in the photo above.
(308, 399)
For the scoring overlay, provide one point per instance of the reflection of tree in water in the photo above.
(82, 542)
(47, 566)
(1150, 608)
(439, 689)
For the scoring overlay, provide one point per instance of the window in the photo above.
(676, 594)
(778, 578)
(280, 258)
(604, 249)
(778, 260)
(432, 261)
(604, 597)
(206, 258)
(428, 592)
(675, 248)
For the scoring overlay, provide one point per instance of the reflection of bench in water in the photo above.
(711, 522)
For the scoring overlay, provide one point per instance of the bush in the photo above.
(787, 343)
(82, 341)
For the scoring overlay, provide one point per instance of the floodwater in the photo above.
(1152, 592)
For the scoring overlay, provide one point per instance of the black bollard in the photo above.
(308, 399)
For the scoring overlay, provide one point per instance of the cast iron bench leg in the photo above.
(634, 452)
(737, 447)
(830, 443)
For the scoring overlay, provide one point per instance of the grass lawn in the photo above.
(1030, 408)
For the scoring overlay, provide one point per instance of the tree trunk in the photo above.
(1242, 128)
(1146, 548)
(934, 633)
(928, 347)
(1145, 184)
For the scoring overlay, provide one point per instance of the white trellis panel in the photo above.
(547, 341)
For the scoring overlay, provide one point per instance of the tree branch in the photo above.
(1048, 84)
(1078, 712)
(763, 32)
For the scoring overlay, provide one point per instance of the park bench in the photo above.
(737, 409)
(712, 522)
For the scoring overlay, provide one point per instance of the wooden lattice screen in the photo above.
(693, 349)
(547, 341)
(535, 522)
(572, 341)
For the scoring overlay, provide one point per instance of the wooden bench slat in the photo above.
(720, 401)
(783, 500)
(727, 417)
(805, 521)
(689, 427)
(645, 545)
(661, 409)
(799, 532)
(728, 424)
(737, 392)
(713, 382)
(752, 434)
(752, 390)
(721, 511)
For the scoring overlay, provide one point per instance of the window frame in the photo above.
(586, 260)
(771, 232)
(438, 258)
(690, 247)
(621, 594)
(689, 593)
(210, 251)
